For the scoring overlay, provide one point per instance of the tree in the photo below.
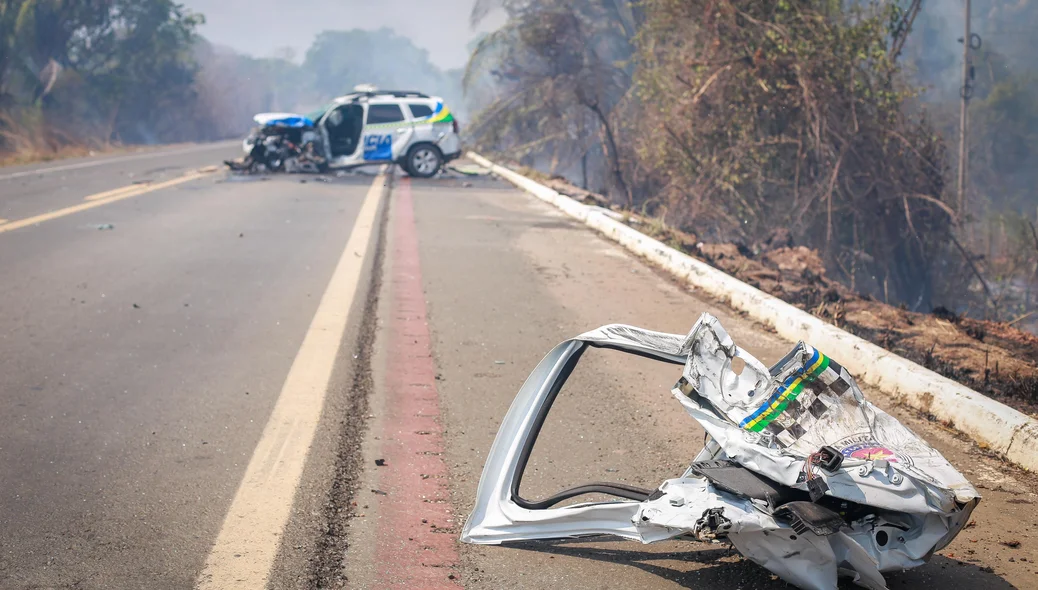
(339, 60)
(790, 115)
(559, 72)
(35, 33)
(141, 66)
(125, 66)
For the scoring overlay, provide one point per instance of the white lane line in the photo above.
(117, 160)
(251, 533)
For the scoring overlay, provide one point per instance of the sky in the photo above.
(262, 27)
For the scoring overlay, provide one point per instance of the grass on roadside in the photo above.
(26, 138)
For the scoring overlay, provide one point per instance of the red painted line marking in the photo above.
(416, 539)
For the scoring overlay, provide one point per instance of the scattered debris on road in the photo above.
(799, 471)
(468, 169)
(105, 226)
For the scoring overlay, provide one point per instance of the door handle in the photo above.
(401, 130)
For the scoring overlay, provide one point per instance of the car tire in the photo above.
(275, 163)
(423, 161)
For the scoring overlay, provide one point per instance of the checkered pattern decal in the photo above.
(802, 400)
(797, 403)
(787, 393)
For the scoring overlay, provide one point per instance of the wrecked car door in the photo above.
(341, 130)
(799, 471)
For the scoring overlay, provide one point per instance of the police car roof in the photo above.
(383, 94)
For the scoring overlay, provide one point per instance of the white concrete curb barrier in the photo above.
(992, 424)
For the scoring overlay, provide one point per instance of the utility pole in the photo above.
(966, 93)
(583, 170)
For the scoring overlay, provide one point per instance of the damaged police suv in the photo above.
(369, 126)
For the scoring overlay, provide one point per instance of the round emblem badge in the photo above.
(867, 449)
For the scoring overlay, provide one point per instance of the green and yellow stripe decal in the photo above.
(442, 114)
(394, 124)
(786, 393)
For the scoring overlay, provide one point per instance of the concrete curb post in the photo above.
(994, 425)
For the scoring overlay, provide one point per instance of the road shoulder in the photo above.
(507, 277)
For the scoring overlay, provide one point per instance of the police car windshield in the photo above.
(315, 116)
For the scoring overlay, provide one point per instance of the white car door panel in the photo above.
(342, 160)
(387, 133)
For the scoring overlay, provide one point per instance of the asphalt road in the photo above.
(209, 381)
(141, 363)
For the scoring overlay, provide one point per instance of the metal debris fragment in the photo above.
(799, 471)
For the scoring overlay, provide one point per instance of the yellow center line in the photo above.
(104, 198)
(248, 542)
(133, 188)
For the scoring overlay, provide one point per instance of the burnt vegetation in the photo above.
(787, 115)
(731, 119)
(806, 146)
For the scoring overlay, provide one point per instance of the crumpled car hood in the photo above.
(799, 472)
(292, 120)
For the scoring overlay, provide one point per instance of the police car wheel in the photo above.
(424, 161)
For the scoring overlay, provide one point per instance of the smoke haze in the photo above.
(261, 28)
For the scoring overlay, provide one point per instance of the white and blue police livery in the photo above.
(371, 126)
